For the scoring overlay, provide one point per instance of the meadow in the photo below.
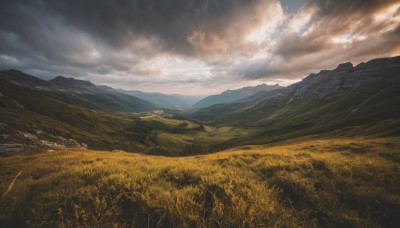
(342, 182)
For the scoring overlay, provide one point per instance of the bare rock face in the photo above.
(346, 78)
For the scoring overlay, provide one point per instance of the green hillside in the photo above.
(312, 114)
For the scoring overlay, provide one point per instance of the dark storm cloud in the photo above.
(116, 23)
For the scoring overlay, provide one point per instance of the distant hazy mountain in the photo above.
(233, 95)
(79, 92)
(170, 101)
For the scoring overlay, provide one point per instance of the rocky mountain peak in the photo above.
(344, 67)
(71, 82)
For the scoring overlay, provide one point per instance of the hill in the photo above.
(233, 95)
(339, 182)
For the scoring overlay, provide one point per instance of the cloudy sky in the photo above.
(194, 47)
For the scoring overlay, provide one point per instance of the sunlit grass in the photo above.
(174, 142)
(332, 182)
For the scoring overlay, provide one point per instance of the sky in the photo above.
(193, 47)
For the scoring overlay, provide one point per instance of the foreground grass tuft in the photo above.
(335, 182)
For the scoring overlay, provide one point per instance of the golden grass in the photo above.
(332, 182)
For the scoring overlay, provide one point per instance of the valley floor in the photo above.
(313, 182)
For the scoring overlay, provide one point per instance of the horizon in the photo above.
(150, 92)
(206, 95)
(197, 49)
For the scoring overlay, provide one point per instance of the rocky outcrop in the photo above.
(9, 148)
(16, 141)
(73, 85)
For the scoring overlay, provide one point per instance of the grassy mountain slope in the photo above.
(340, 182)
(348, 114)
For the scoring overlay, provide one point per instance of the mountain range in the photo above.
(105, 98)
(343, 100)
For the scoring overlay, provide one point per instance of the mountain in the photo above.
(342, 98)
(79, 92)
(233, 95)
(170, 101)
(74, 85)
(22, 79)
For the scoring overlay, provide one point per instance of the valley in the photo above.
(320, 152)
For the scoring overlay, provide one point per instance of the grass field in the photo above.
(326, 182)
